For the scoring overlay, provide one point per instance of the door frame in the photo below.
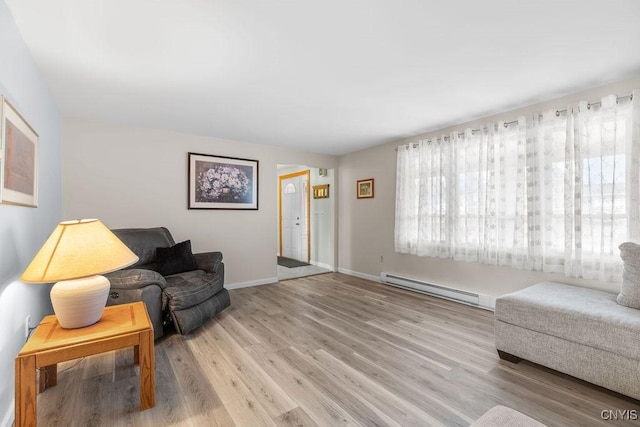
(308, 210)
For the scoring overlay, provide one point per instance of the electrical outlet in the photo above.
(381, 258)
(27, 326)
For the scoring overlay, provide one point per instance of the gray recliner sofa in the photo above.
(185, 300)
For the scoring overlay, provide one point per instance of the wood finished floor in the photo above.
(326, 350)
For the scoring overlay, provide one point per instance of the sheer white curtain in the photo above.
(555, 193)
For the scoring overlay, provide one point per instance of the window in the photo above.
(550, 192)
(290, 188)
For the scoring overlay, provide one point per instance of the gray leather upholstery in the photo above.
(185, 290)
(144, 242)
(190, 318)
(186, 299)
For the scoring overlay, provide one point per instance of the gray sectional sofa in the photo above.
(581, 332)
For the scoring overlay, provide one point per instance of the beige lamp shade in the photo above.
(78, 249)
(75, 255)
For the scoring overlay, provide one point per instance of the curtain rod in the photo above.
(506, 124)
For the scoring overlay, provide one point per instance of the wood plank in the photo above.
(381, 344)
(296, 417)
(428, 342)
(234, 377)
(425, 393)
(171, 406)
(201, 400)
(405, 413)
(246, 412)
(99, 364)
(221, 374)
(267, 338)
(260, 385)
(240, 332)
(322, 408)
(360, 408)
(59, 405)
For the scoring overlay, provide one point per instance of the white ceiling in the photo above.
(329, 76)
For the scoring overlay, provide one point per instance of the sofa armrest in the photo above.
(135, 278)
(209, 261)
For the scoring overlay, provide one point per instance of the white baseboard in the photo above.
(322, 265)
(267, 281)
(360, 275)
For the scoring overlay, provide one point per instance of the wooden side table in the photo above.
(120, 326)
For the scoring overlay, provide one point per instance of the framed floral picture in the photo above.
(364, 188)
(218, 182)
(18, 158)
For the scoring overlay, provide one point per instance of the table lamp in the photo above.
(75, 255)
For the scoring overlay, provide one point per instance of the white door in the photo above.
(294, 193)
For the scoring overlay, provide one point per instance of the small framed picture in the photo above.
(18, 158)
(218, 182)
(321, 191)
(364, 188)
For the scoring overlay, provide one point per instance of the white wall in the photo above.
(23, 230)
(366, 226)
(323, 214)
(136, 177)
(323, 250)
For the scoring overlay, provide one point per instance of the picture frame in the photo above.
(220, 182)
(19, 158)
(365, 188)
(321, 191)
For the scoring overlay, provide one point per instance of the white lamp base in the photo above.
(79, 302)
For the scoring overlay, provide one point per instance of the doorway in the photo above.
(306, 226)
(295, 222)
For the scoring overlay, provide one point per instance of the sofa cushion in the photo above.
(176, 259)
(144, 242)
(188, 289)
(135, 278)
(576, 314)
(630, 290)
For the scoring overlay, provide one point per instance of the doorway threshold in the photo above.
(285, 273)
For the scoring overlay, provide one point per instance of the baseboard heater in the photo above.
(431, 289)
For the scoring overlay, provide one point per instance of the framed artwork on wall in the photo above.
(364, 188)
(321, 191)
(218, 182)
(19, 162)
